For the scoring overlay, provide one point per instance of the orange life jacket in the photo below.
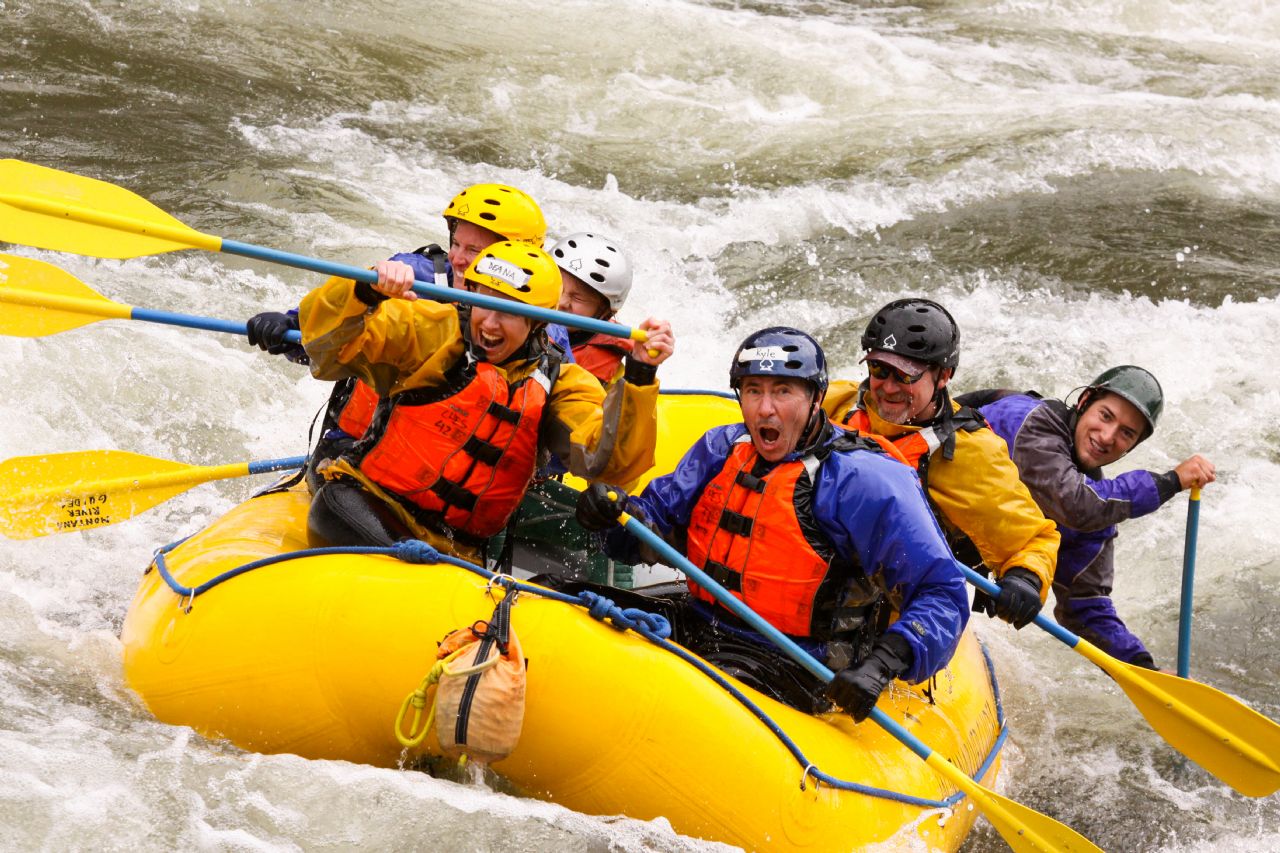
(463, 455)
(747, 533)
(601, 354)
(917, 447)
(357, 412)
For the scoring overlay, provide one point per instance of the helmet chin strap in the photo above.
(812, 429)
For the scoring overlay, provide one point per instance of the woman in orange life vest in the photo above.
(477, 217)
(469, 400)
(912, 350)
(816, 529)
(596, 277)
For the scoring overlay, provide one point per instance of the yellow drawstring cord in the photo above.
(418, 698)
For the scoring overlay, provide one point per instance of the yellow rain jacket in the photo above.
(401, 345)
(977, 493)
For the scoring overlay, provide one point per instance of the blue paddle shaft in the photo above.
(756, 621)
(1188, 585)
(432, 291)
(192, 321)
(265, 465)
(1043, 621)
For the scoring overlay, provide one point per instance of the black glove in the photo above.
(599, 506)
(267, 331)
(856, 688)
(1145, 660)
(1019, 599)
(639, 373)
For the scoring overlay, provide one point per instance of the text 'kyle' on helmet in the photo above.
(598, 263)
(1134, 384)
(780, 351)
(507, 211)
(917, 328)
(523, 272)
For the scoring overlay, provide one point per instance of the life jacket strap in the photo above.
(478, 448)
(503, 413)
(736, 523)
(723, 575)
(454, 495)
(749, 481)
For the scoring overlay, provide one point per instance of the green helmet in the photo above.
(1134, 384)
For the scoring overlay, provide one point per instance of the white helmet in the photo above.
(598, 263)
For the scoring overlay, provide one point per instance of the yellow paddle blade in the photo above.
(38, 299)
(1024, 829)
(1223, 735)
(61, 492)
(50, 209)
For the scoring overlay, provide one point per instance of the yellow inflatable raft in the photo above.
(314, 655)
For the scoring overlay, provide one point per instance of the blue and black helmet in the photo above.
(780, 351)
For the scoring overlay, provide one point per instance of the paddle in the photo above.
(1223, 735)
(48, 300)
(1024, 829)
(1188, 583)
(58, 492)
(50, 209)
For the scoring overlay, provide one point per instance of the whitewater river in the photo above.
(1083, 183)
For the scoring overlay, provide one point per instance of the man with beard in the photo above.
(912, 350)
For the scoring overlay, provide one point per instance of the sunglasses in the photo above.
(880, 370)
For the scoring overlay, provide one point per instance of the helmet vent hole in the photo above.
(487, 216)
(602, 262)
(597, 278)
(573, 244)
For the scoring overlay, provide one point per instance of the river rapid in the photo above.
(1082, 182)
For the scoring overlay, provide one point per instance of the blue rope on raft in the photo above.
(652, 626)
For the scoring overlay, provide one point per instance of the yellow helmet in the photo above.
(507, 211)
(523, 272)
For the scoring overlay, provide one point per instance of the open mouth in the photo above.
(769, 435)
(489, 343)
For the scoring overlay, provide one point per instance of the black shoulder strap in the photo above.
(436, 255)
(968, 419)
(848, 439)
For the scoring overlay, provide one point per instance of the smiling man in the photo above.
(468, 400)
(818, 531)
(912, 350)
(1060, 451)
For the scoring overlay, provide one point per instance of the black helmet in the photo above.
(780, 351)
(917, 328)
(1132, 383)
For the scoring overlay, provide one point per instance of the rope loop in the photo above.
(597, 605)
(415, 551)
(605, 610)
(648, 623)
